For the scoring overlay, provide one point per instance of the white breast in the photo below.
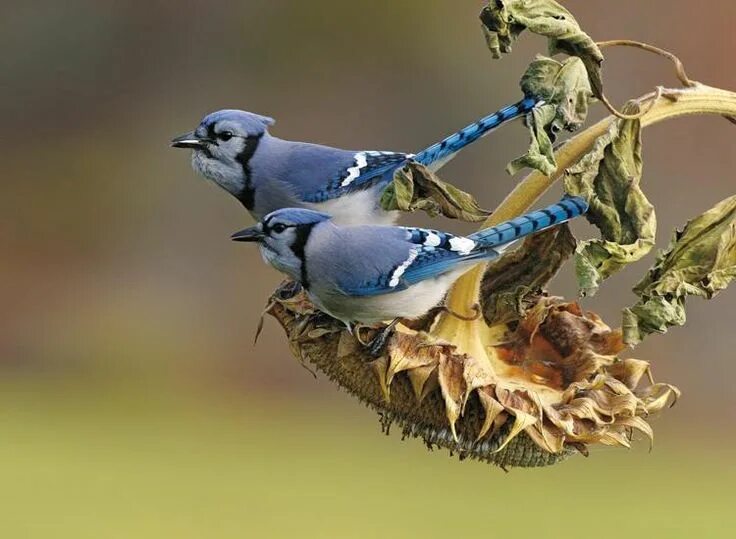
(359, 208)
(411, 303)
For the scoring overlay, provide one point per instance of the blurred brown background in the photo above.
(132, 402)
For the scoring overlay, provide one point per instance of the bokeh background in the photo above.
(132, 401)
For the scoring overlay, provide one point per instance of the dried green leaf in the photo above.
(566, 91)
(700, 261)
(515, 281)
(504, 20)
(541, 154)
(415, 187)
(608, 177)
(562, 84)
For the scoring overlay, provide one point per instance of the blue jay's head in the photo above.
(223, 145)
(283, 236)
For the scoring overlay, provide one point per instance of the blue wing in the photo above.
(361, 170)
(425, 254)
(366, 169)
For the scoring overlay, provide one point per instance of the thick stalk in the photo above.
(698, 99)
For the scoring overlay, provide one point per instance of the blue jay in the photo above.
(371, 273)
(235, 150)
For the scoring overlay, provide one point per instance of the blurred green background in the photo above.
(132, 402)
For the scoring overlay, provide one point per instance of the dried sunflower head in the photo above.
(547, 386)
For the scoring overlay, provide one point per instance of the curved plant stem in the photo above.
(665, 104)
(679, 66)
(679, 71)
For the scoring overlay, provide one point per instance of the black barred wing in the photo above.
(368, 168)
(429, 253)
(439, 253)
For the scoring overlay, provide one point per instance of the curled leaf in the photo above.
(700, 261)
(415, 187)
(566, 91)
(608, 177)
(541, 154)
(504, 20)
(514, 283)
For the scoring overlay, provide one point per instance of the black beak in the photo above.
(252, 234)
(190, 141)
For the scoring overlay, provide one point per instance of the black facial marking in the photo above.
(302, 236)
(267, 224)
(247, 195)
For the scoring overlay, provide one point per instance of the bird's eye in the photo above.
(225, 135)
(278, 228)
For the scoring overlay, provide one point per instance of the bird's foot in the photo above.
(377, 346)
(321, 319)
(289, 290)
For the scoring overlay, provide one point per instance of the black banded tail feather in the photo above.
(443, 151)
(509, 231)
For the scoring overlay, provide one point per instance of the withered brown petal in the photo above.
(380, 367)
(492, 409)
(423, 380)
(452, 384)
(408, 352)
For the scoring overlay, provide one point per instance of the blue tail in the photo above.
(566, 209)
(439, 154)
